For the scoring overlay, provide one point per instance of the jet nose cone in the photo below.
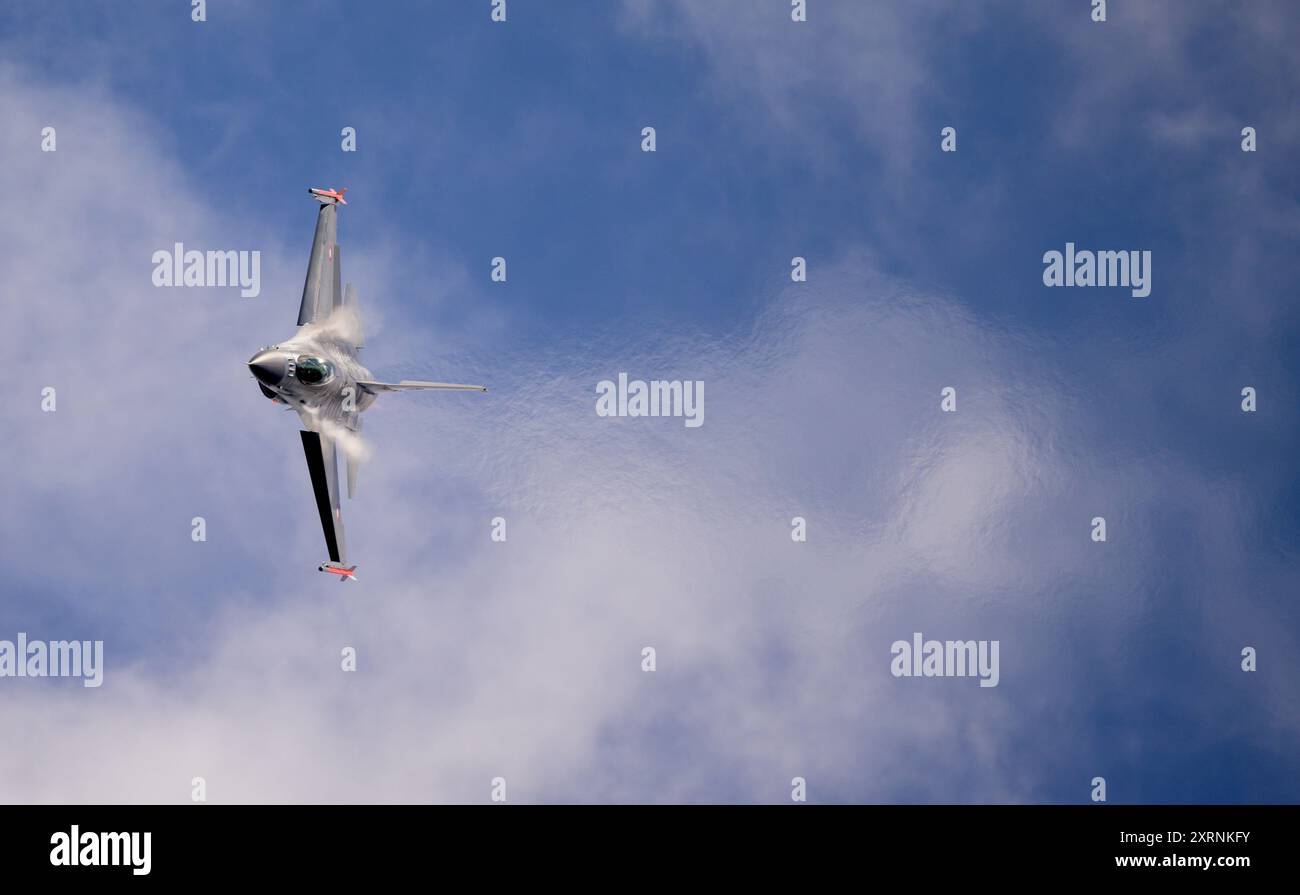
(269, 367)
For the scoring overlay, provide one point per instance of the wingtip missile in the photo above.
(345, 573)
(334, 195)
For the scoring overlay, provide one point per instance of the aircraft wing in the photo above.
(323, 466)
(376, 387)
(322, 293)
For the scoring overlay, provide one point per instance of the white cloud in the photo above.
(872, 67)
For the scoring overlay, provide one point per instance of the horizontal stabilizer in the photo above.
(405, 384)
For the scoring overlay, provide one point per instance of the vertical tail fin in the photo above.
(350, 302)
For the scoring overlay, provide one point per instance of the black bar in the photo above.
(370, 843)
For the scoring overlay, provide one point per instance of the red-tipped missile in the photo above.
(336, 195)
(345, 573)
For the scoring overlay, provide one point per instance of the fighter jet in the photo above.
(318, 373)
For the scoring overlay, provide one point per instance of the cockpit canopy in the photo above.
(313, 370)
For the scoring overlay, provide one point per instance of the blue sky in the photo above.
(775, 139)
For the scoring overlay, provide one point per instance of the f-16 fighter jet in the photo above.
(317, 373)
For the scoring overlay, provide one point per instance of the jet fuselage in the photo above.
(315, 375)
